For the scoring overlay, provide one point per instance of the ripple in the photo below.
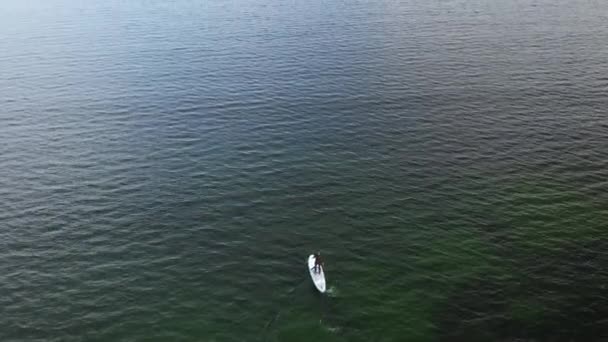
(166, 165)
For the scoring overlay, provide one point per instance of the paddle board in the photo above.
(317, 277)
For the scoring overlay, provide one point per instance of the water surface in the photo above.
(167, 166)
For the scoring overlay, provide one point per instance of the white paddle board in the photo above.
(318, 277)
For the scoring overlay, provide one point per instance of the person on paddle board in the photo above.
(318, 262)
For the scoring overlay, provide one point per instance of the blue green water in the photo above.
(166, 167)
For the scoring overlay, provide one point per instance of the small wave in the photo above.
(332, 291)
(333, 330)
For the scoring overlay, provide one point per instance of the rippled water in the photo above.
(167, 166)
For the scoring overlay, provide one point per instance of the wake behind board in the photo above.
(318, 278)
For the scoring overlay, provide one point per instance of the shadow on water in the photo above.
(563, 301)
(550, 281)
(297, 320)
(291, 296)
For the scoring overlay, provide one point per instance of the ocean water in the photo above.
(166, 167)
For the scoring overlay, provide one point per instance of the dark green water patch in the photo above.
(551, 283)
